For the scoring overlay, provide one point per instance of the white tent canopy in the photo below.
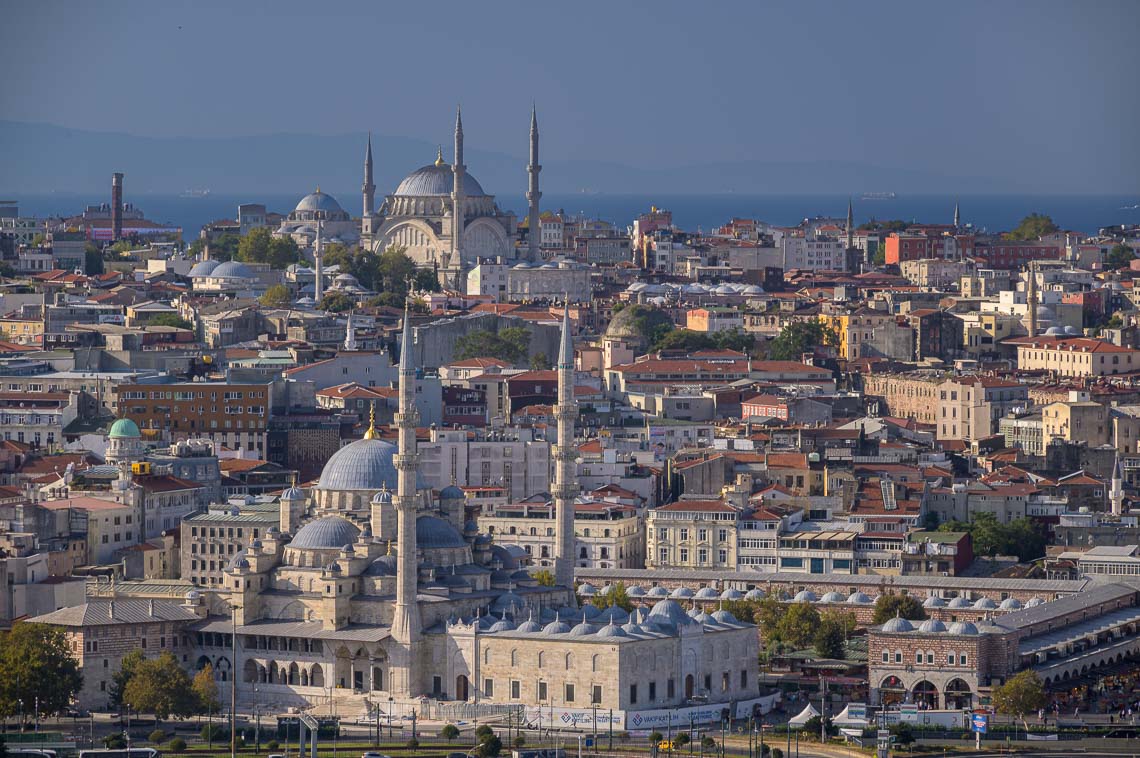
(845, 719)
(802, 717)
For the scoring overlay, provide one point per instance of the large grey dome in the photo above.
(231, 270)
(436, 180)
(319, 201)
(363, 465)
(328, 533)
(434, 532)
(203, 268)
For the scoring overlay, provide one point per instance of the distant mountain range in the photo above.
(40, 158)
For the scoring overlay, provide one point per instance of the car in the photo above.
(373, 755)
(275, 755)
(457, 755)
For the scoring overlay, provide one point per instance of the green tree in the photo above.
(1120, 256)
(800, 337)
(1021, 694)
(539, 362)
(260, 246)
(798, 625)
(1032, 227)
(510, 345)
(178, 745)
(735, 339)
(394, 269)
(616, 596)
(896, 225)
(517, 338)
(683, 339)
(205, 689)
(449, 732)
(92, 259)
(426, 280)
(157, 736)
(276, 296)
(831, 635)
(127, 667)
(162, 687)
(904, 606)
(387, 299)
(544, 577)
(769, 611)
(336, 302)
(36, 663)
(170, 319)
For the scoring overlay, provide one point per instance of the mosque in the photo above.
(373, 589)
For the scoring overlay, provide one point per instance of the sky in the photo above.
(1044, 89)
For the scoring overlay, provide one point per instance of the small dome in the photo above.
(507, 601)
(1033, 602)
(859, 598)
(605, 589)
(724, 617)
(530, 626)
(335, 568)
(587, 590)
(959, 602)
(327, 533)
(502, 625)
(256, 544)
(706, 593)
(433, 533)
(611, 630)
(963, 627)
(732, 594)
(832, 597)
(582, 629)
(612, 614)
(632, 628)
(897, 624)
(319, 201)
(385, 565)
(702, 618)
(557, 626)
(931, 626)
(635, 590)
(366, 464)
(203, 268)
(383, 497)
(451, 492)
(985, 604)
(754, 594)
(670, 610)
(1010, 604)
(933, 602)
(124, 428)
(293, 493)
(804, 596)
(657, 591)
(591, 611)
(682, 593)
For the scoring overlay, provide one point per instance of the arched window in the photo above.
(541, 658)
(514, 657)
(569, 661)
(487, 656)
(594, 663)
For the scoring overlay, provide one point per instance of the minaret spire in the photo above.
(349, 335)
(957, 216)
(369, 188)
(1031, 298)
(1116, 491)
(850, 225)
(565, 455)
(533, 195)
(458, 207)
(318, 290)
(406, 623)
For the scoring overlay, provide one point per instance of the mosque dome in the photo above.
(385, 565)
(670, 610)
(328, 533)
(232, 270)
(363, 465)
(933, 602)
(985, 604)
(614, 614)
(436, 180)
(612, 630)
(203, 268)
(657, 591)
(433, 532)
(238, 561)
(124, 427)
(706, 593)
(1010, 604)
(635, 590)
(557, 626)
(293, 493)
(724, 617)
(832, 597)
(731, 594)
(586, 589)
(319, 201)
(963, 627)
(805, 596)
(502, 625)
(582, 629)
(859, 598)
(451, 492)
(530, 626)
(931, 626)
(383, 497)
(898, 624)
(960, 602)
(1033, 602)
(754, 594)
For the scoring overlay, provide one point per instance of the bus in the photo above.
(25, 752)
(135, 752)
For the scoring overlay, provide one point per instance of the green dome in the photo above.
(124, 427)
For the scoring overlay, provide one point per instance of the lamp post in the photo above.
(391, 700)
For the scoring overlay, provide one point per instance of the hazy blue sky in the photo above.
(1045, 89)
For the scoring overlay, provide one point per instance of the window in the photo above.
(632, 694)
(962, 659)
(514, 689)
(541, 691)
(652, 691)
(930, 658)
(596, 695)
(898, 656)
(949, 659)
(743, 678)
(886, 657)
(569, 693)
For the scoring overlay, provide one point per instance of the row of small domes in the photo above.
(930, 626)
(665, 618)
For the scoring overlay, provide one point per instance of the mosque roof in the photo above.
(204, 268)
(232, 270)
(366, 464)
(319, 201)
(434, 532)
(124, 427)
(330, 532)
(436, 180)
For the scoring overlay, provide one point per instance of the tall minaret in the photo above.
(957, 216)
(318, 289)
(457, 206)
(1116, 491)
(850, 225)
(406, 624)
(369, 189)
(565, 474)
(1031, 298)
(532, 193)
(349, 335)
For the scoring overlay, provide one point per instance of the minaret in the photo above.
(317, 288)
(565, 473)
(457, 207)
(349, 335)
(957, 216)
(406, 624)
(1116, 491)
(369, 189)
(1031, 298)
(850, 226)
(532, 193)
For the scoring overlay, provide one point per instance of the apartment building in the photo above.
(692, 534)
(970, 407)
(235, 416)
(1075, 356)
(606, 535)
(908, 396)
(211, 540)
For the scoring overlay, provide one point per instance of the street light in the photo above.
(391, 700)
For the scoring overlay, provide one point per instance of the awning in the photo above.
(803, 716)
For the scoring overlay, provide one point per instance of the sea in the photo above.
(1081, 213)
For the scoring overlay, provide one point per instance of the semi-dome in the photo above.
(898, 624)
(124, 427)
(963, 627)
(433, 532)
(933, 602)
(319, 201)
(931, 626)
(232, 270)
(436, 180)
(203, 268)
(328, 533)
(366, 464)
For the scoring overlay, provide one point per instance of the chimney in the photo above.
(111, 609)
(116, 206)
(150, 608)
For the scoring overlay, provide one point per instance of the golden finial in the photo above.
(318, 189)
(439, 156)
(389, 547)
(371, 433)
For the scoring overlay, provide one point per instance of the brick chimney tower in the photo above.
(116, 205)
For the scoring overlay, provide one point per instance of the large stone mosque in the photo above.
(375, 589)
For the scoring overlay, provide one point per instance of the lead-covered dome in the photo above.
(328, 533)
(433, 532)
(231, 270)
(366, 464)
(319, 201)
(436, 180)
(204, 268)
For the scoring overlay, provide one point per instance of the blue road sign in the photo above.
(979, 722)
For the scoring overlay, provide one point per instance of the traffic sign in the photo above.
(979, 722)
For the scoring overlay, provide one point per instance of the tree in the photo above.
(1021, 694)
(831, 635)
(896, 225)
(336, 302)
(616, 596)
(426, 280)
(544, 577)
(683, 339)
(903, 606)
(798, 625)
(170, 319)
(767, 617)
(276, 296)
(800, 337)
(510, 345)
(259, 246)
(1032, 227)
(1120, 256)
(178, 745)
(449, 732)
(36, 663)
(539, 362)
(157, 736)
(162, 687)
(119, 679)
(92, 259)
(205, 689)
(387, 299)
(655, 737)
(1021, 537)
